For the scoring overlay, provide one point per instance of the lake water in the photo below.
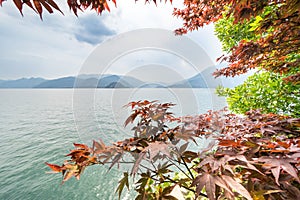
(38, 126)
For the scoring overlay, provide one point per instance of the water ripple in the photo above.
(37, 126)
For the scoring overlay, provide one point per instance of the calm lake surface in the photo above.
(40, 125)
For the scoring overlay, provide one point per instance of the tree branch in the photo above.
(187, 167)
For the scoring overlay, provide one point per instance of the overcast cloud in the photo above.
(92, 30)
(58, 45)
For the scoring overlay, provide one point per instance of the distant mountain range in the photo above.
(111, 81)
(21, 83)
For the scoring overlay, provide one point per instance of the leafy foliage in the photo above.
(278, 33)
(265, 91)
(230, 33)
(254, 157)
(38, 5)
(272, 92)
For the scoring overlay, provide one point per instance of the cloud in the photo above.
(58, 45)
(31, 47)
(92, 30)
(131, 15)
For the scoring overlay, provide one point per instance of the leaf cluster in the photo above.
(256, 156)
(272, 91)
(38, 5)
(275, 25)
(266, 91)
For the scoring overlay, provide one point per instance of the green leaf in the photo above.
(123, 182)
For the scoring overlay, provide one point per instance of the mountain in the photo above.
(91, 81)
(66, 82)
(85, 83)
(21, 83)
(153, 85)
(105, 81)
(131, 81)
(116, 85)
(117, 81)
(204, 79)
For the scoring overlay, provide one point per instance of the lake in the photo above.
(40, 125)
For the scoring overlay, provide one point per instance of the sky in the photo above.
(59, 45)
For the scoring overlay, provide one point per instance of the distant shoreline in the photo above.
(201, 80)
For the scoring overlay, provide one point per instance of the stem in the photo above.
(148, 168)
(123, 162)
(185, 187)
(187, 167)
(172, 181)
(179, 169)
(153, 165)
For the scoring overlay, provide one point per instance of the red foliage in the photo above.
(37, 5)
(270, 51)
(253, 156)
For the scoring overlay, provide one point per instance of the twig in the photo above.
(179, 168)
(171, 180)
(187, 167)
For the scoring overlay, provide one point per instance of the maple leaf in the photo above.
(131, 118)
(153, 149)
(278, 164)
(182, 148)
(71, 170)
(157, 147)
(123, 182)
(209, 181)
(81, 146)
(116, 159)
(293, 191)
(234, 185)
(230, 143)
(55, 168)
(98, 147)
(137, 162)
(18, 4)
(223, 173)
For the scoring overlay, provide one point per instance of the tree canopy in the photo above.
(278, 30)
(265, 90)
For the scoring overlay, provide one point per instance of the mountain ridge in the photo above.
(203, 79)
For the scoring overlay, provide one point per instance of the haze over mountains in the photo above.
(201, 80)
